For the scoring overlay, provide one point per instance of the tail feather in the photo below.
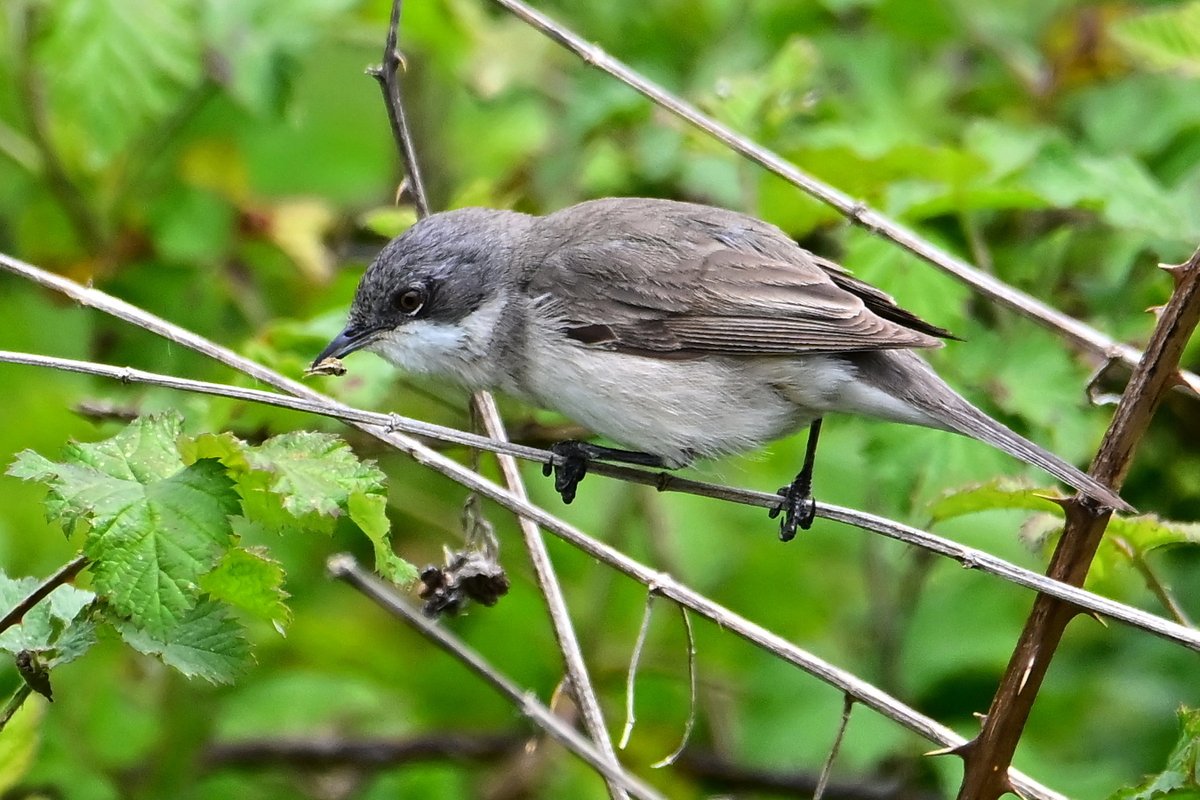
(970, 421)
(906, 377)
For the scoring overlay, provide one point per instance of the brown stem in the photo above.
(988, 756)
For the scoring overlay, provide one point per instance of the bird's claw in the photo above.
(798, 507)
(569, 468)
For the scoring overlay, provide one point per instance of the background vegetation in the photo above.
(227, 166)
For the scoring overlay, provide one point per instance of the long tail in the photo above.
(907, 377)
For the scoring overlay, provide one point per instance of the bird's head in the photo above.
(415, 296)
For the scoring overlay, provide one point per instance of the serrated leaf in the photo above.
(369, 512)
(247, 578)
(207, 642)
(224, 447)
(45, 623)
(1167, 39)
(1181, 778)
(150, 555)
(995, 495)
(314, 473)
(155, 526)
(118, 66)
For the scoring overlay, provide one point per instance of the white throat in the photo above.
(459, 350)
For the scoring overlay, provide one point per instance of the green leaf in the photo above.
(47, 622)
(206, 642)
(249, 579)
(1181, 778)
(1150, 532)
(155, 526)
(369, 512)
(149, 556)
(118, 66)
(1166, 39)
(996, 495)
(314, 473)
(307, 480)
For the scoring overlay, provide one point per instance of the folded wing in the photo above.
(676, 280)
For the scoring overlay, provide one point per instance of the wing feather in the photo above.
(673, 280)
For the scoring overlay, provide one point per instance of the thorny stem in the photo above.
(989, 754)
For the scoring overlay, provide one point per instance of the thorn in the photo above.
(401, 191)
(1096, 616)
(1028, 671)
(1156, 310)
(1059, 500)
(959, 750)
(1177, 271)
(979, 715)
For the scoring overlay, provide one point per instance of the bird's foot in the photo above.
(797, 506)
(569, 467)
(571, 460)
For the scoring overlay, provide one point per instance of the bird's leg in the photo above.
(571, 463)
(798, 506)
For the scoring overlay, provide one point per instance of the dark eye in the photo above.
(409, 300)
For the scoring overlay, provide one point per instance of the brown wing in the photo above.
(671, 279)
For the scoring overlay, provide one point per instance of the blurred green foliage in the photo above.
(227, 166)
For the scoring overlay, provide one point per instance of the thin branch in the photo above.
(387, 426)
(1080, 334)
(345, 568)
(635, 659)
(582, 688)
(65, 574)
(987, 756)
(388, 75)
(827, 767)
(693, 693)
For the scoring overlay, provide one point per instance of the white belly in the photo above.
(681, 409)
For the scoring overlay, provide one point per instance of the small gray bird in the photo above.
(681, 330)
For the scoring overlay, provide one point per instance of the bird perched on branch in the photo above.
(680, 330)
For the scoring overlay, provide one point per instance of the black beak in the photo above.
(345, 343)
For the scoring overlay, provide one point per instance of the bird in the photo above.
(678, 330)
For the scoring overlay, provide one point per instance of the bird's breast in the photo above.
(676, 409)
